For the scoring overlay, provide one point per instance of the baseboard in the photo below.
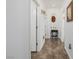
(62, 39)
(41, 46)
(68, 53)
(33, 51)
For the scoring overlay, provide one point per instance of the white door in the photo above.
(40, 30)
(33, 26)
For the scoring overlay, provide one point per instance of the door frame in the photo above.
(36, 30)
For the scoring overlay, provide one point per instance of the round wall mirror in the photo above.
(53, 19)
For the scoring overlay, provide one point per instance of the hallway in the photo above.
(30, 25)
(52, 49)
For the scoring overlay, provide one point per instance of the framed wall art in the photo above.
(70, 12)
(53, 19)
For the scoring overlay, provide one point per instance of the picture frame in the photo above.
(70, 12)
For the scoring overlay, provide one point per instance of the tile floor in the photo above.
(52, 49)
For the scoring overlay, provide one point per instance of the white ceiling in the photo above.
(51, 3)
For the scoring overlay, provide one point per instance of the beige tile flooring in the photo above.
(52, 49)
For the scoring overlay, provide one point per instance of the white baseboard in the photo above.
(41, 46)
(68, 53)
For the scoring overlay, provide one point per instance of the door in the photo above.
(40, 29)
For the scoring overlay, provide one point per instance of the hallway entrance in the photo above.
(51, 32)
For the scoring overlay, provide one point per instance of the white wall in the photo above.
(47, 27)
(69, 38)
(62, 28)
(41, 29)
(57, 24)
(62, 22)
(18, 29)
(68, 33)
(33, 26)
